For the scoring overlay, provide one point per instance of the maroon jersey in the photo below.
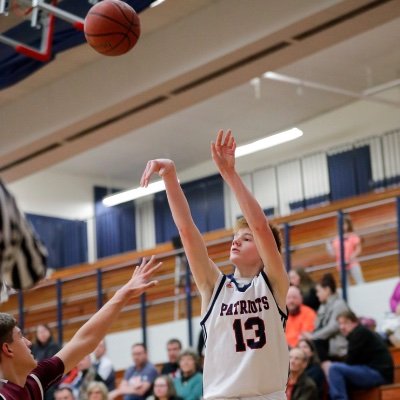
(47, 373)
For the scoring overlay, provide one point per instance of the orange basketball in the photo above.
(112, 27)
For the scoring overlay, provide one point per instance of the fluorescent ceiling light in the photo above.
(132, 194)
(269, 141)
(156, 3)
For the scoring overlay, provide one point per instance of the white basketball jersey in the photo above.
(246, 353)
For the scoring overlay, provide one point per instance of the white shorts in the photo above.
(281, 395)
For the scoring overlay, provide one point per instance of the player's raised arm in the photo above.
(89, 335)
(205, 272)
(223, 154)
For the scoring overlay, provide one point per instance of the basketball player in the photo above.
(25, 379)
(243, 321)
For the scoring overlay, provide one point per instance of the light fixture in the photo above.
(159, 186)
(156, 3)
(269, 141)
(132, 194)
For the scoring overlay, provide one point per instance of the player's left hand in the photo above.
(140, 280)
(223, 152)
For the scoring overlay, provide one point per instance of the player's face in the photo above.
(243, 249)
(21, 348)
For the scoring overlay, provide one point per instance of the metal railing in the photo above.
(190, 294)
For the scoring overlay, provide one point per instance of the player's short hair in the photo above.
(7, 325)
(242, 223)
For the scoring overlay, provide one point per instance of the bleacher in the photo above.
(374, 216)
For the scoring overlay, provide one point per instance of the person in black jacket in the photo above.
(314, 369)
(368, 363)
(43, 348)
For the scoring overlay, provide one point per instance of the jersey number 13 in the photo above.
(255, 324)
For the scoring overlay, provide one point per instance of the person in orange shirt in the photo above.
(352, 249)
(301, 317)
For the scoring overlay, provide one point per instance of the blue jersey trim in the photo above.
(284, 316)
(240, 289)
(213, 300)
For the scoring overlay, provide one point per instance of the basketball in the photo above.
(112, 27)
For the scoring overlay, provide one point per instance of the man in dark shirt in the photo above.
(174, 348)
(368, 362)
(25, 379)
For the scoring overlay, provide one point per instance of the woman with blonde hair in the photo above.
(97, 391)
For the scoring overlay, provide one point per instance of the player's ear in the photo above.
(6, 349)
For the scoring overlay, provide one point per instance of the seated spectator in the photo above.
(395, 300)
(43, 348)
(301, 318)
(314, 369)
(80, 377)
(97, 391)
(328, 340)
(63, 393)
(300, 386)
(368, 362)
(103, 366)
(174, 348)
(189, 385)
(138, 378)
(300, 278)
(164, 389)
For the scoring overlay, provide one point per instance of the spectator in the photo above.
(301, 318)
(97, 391)
(300, 278)
(63, 393)
(314, 369)
(395, 300)
(103, 366)
(164, 389)
(189, 385)
(43, 348)
(138, 378)
(352, 249)
(174, 348)
(300, 386)
(368, 363)
(81, 376)
(330, 343)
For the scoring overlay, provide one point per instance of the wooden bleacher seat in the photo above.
(79, 282)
